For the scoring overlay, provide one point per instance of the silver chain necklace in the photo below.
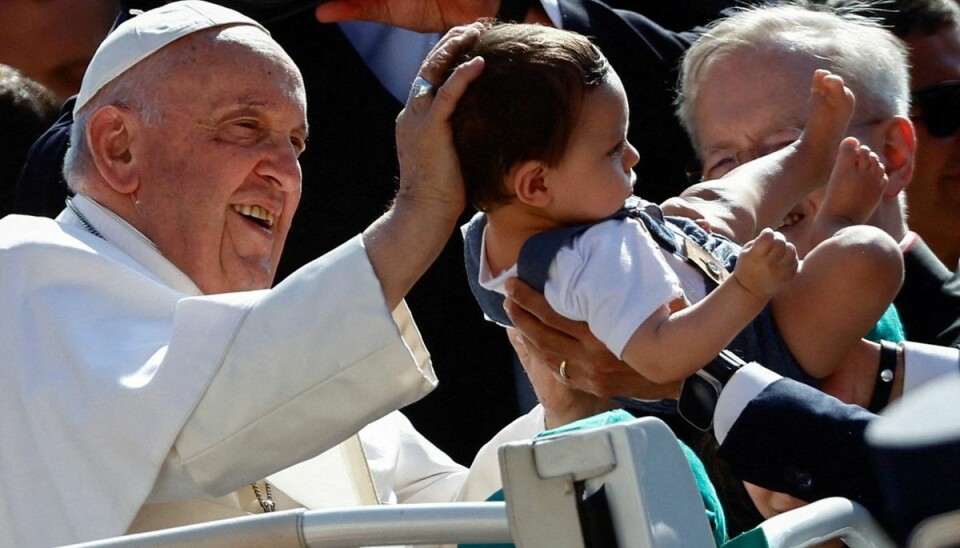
(267, 504)
(83, 220)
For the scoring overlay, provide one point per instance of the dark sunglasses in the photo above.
(937, 107)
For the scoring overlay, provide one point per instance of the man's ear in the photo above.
(899, 151)
(528, 180)
(110, 133)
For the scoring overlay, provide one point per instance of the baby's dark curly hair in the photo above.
(523, 106)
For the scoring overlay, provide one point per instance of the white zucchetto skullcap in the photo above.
(137, 38)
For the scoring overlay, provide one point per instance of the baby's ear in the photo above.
(529, 185)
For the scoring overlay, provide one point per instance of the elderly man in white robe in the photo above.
(143, 358)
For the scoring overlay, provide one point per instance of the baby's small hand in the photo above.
(766, 263)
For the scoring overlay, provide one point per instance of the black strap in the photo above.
(513, 11)
(885, 374)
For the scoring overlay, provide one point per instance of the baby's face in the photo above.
(596, 176)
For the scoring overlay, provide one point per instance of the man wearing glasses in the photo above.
(767, 115)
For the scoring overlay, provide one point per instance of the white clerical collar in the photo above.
(86, 213)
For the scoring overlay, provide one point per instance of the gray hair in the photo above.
(135, 89)
(871, 60)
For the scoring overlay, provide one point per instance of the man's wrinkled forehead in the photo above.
(750, 95)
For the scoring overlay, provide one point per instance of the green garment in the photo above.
(889, 328)
(754, 538)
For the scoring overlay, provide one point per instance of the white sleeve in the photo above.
(483, 478)
(923, 363)
(747, 383)
(405, 466)
(613, 276)
(138, 388)
(314, 360)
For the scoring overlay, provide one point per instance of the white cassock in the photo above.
(387, 462)
(120, 382)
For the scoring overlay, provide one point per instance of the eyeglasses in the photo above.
(718, 163)
(937, 107)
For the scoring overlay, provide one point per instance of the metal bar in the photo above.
(408, 524)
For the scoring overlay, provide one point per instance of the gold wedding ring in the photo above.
(563, 370)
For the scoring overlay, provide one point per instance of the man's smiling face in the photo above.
(221, 178)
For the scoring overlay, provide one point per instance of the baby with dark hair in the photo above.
(541, 136)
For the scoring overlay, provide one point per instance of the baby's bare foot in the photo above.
(831, 107)
(855, 188)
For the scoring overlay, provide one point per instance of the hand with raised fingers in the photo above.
(429, 166)
(403, 243)
(417, 15)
